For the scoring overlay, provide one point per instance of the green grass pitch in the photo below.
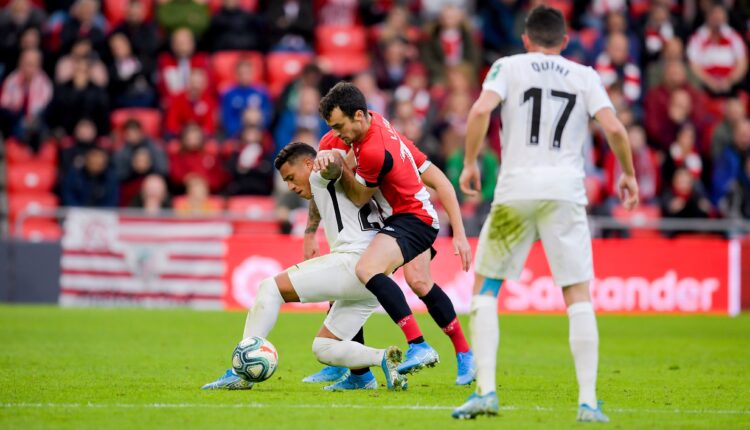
(139, 369)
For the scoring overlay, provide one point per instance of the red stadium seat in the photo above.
(150, 120)
(224, 67)
(639, 216)
(16, 152)
(214, 204)
(283, 67)
(31, 176)
(344, 64)
(252, 207)
(256, 227)
(31, 202)
(247, 5)
(116, 10)
(38, 230)
(334, 39)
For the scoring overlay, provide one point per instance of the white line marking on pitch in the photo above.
(343, 406)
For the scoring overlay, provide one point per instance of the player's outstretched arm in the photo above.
(478, 122)
(617, 138)
(434, 178)
(310, 248)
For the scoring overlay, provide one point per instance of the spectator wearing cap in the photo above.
(26, 92)
(196, 105)
(92, 185)
(717, 54)
(233, 28)
(242, 96)
(174, 67)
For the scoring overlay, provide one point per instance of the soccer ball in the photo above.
(255, 359)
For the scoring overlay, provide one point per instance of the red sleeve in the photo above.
(373, 164)
(173, 120)
(330, 141)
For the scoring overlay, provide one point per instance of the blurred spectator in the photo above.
(304, 116)
(616, 22)
(673, 51)
(81, 50)
(474, 209)
(434, 9)
(175, 67)
(729, 166)
(683, 199)
(376, 100)
(645, 163)
(196, 105)
(391, 68)
(79, 98)
(311, 76)
(415, 90)
(72, 152)
(26, 92)
(173, 15)
(251, 165)
(396, 24)
(141, 165)
(658, 29)
(718, 55)
(500, 35)
(683, 154)
(448, 42)
(233, 28)
(197, 199)
(15, 19)
(614, 66)
(193, 158)
(656, 104)
(679, 112)
(135, 140)
(92, 185)
(82, 24)
(129, 84)
(153, 196)
(723, 133)
(291, 24)
(451, 121)
(343, 13)
(143, 36)
(242, 96)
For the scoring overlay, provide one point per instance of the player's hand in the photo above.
(461, 248)
(627, 191)
(471, 179)
(310, 248)
(322, 160)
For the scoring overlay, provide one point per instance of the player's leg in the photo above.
(334, 373)
(440, 307)
(563, 227)
(333, 347)
(504, 243)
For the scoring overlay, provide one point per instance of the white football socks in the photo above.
(584, 344)
(345, 353)
(485, 336)
(262, 317)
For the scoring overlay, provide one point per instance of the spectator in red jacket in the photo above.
(193, 158)
(197, 105)
(683, 154)
(174, 68)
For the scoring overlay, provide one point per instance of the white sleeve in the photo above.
(596, 96)
(497, 79)
(318, 181)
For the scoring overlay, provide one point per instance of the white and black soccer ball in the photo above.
(255, 359)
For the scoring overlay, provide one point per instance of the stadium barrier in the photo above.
(123, 258)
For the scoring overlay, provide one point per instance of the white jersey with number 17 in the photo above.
(547, 101)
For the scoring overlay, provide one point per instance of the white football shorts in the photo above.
(512, 227)
(331, 277)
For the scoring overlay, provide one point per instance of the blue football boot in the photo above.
(394, 380)
(587, 414)
(355, 382)
(228, 381)
(467, 371)
(477, 405)
(328, 374)
(418, 356)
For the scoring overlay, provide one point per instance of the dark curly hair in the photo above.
(346, 97)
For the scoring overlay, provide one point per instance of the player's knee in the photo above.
(364, 271)
(420, 285)
(322, 348)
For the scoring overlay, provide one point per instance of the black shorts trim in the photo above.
(412, 235)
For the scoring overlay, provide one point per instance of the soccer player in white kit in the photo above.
(546, 103)
(349, 230)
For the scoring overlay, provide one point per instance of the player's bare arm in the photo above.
(617, 137)
(478, 123)
(434, 178)
(310, 248)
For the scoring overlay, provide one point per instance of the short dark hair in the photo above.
(344, 96)
(132, 123)
(292, 152)
(545, 26)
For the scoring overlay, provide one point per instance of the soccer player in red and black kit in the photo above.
(387, 172)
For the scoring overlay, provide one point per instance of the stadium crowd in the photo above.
(136, 101)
